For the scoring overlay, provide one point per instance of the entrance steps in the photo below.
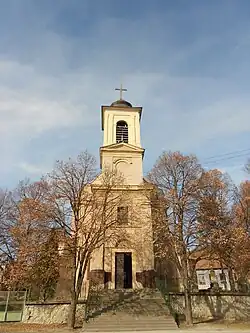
(128, 310)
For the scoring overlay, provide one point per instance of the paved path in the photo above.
(192, 330)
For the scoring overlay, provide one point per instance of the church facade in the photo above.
(126, 262)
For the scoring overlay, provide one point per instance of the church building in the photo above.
(129, 262)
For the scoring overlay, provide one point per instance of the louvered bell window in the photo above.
(121, 131)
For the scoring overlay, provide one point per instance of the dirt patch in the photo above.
(22, 327)
(231, 325)
(219, 324)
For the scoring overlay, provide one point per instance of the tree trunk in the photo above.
(187, 296)
(231, 279)
(72, 311)
(188, 307)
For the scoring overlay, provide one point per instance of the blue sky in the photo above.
(185, 62)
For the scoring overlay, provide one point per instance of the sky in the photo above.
(185, 62)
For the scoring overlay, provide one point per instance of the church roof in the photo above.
(122, 103)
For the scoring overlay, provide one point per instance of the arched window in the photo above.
(121, 131)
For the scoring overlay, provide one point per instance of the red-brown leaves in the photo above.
(31, 234)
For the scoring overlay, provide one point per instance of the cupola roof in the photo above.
(122, 103)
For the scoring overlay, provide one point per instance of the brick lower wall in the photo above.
(146, 278)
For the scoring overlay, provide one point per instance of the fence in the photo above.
(12, 305)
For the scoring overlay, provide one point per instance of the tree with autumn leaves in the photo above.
(241, 232)
(31, 241)
(225, 212)
(197, 217)
(215, 215)
(177, 178)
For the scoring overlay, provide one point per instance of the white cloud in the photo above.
(53, 82)
(31, 103)
(32, 169)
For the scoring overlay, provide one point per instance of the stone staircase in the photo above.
(127, 310)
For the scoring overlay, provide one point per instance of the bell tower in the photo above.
(122, 140)
(128, 261)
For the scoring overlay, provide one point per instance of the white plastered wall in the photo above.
(132, 118)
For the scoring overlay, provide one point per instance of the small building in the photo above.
(210, 274)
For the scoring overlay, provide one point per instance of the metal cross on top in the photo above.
(121, 90)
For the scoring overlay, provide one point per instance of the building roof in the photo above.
(122, 103)
(209, 264)
(206, 260)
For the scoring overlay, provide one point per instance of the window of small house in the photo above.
(201, 279)
(222, 277)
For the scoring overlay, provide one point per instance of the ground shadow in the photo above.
(113, 306)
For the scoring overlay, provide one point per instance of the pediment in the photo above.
(122, 146)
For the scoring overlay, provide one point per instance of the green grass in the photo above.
(14, 316)
(1, 316)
